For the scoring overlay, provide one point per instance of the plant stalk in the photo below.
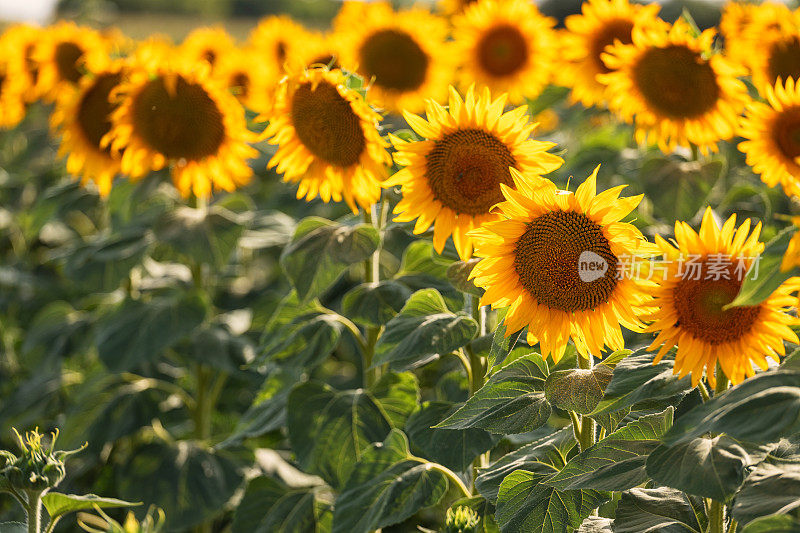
(372, 274)
(588, 427)
(716, 517)
(34, 511)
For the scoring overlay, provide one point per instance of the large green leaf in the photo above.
(660, 510)
(269, 505)
(769, 489)
(321, 250)
(636, 379)
(773, 524)
(512, 401)
(387, 486)
(201, 235)
(678, 189)
(453, 448)
(763, 408)
(13, 527)
(57, 330)
(578, 389)
(502, 344)
(216, 346)
(397, 394)
(526, 505)
(596, 524)
(374, 304)
(104, 262)
(709, 467)
(305, 342)
(139, 331)
(423, 330)
(58, 504)
(618, 461)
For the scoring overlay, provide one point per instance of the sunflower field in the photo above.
(457, 267)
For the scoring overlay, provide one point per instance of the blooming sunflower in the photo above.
(506, 45)
(207, 44)
(404, 53)
(319, 50)
(249, 79)
(12, 88)
(84, 118)
(601, 23)
(777, 58)
(19, 46)
(453, 7)
(735, 20)
(276, 39)
(453, 178)
(328, 139)
(531, 261)
(678, 91)
(66, 51)
(172, 113)
(772, 136)
(791, 258)
(703, 273)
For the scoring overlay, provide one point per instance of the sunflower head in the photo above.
(702, 274)
(247, 78)
(674, 88)
(736, 19)
(328, 138)
(13, 84)
(18, 45)
(553, 259)
(453, 177)
(207, 44)
(276, 39)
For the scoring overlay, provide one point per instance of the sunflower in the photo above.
(791, 258)
(207, 44)
(404, 53)
(772, 136)
(84, 118)
(327, 139)
(735, 20)
(18, 43)
(67, 51)
(12, 88)
(678, 91)
(506, 45)
(778, 58)
(601, 23)
(319, 50)
(453, 177)
(172, 113)
(531, 258)
(248, 79)
(276, 39)
(453, 7)
(702, 274)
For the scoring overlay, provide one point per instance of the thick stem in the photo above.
(202, 412)
(34, 511)
(715, 517)
(372, 274)
(588, 428)
(451, 475)
(703, 391)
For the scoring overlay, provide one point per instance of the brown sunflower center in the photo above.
(210, 56)
(327, 125)
(280, 53)
(786, 132)
(95, 108)
(184, 123)
(241, 82)
(30, 63)
(395, 59)
(67, 59)
(465, 169)
(784, 60)
(676, 81)
(614, 30)
(699, 302)
(502, 50)
(565, 262)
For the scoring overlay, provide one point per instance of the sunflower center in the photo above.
(395, 59)
(241, 82)
(786, 132)
(465, 169)
(677, 82)
(699, 303)
(95, 109)
(67, 57)
(280, 53)
(210, 56)
(502, 51)
(327, 125)
(184, 123)
(30, 62)
(549, 260)
(614, 30)
(784, 60)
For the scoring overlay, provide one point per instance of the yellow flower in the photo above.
(736, 18)
(207, 44)
(275, 40)
(453, 7)
(506, 45)
(249, 79)
(64, 54)
(18, 44)
(777, 58)
(600, 24)
(703, 272)
(319, 50)
(453, 177)
(405, 53)
(531, 261)
(673, 88)
(172, 113)
(84, 118)
(772, 136)
(328, 139)
(13, 84)
(791, 258)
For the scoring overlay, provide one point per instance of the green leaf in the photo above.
(458, 275)
(773, 524)
(58, 504)
(422, 331)
(268, 505)
(545, 456)
(374, 304)
(13, 527)
(387, 486)
(397, 395)
(502, 344)
(579, 389)
(636, 379)
(525, 505)
(104, 262)
(596, 524)
(551, 96)
(661, 510)
(139, 331)
(763, 408)
(712, 468)
(455, 449)
(512, 401)
(769, 489)
(305, 342)
(678, 189)
(618, 461)
(321, 250)
(206, 236)
(762, 281)
(57, 330)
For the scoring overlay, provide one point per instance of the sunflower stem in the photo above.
(372, 275)
(477, 370)
(716, 517)
(34, 511)
(722, 380)
(703, 391)
(588, 427)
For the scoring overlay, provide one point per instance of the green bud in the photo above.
(38, 468)
(461, 520)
